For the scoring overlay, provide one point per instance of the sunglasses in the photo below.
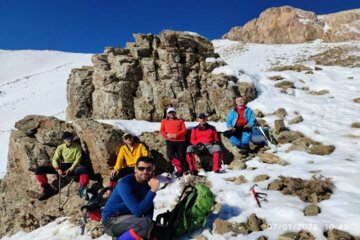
(148, 169)
(68, 139)
(171, 112)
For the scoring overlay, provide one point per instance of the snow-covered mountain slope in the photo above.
(327, 118)
(33, 82)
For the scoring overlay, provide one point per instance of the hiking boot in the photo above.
(194, 172)
(82, 191)
(178, 174)
(47, 193)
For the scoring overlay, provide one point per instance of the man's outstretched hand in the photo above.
(154, 184)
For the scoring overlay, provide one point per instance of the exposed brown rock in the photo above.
(279, 125)
(80, 82)
(253, 223)
(261, 178)
(101, 142)
(344, 56)
(356, 100)
(321, 149)
(296, 68)
(237, 180)
(355, 125)
(272, 159)
(157, 71)
(281, 112)
(335, 234)
(311, 210)
(276, 78)
(296, 120)
(287, 136)
(284, 85)
(258, 113)
(221, 226)
(302, 235)
(276, 185)
(286, 24)
(306, 190)
(321, 92)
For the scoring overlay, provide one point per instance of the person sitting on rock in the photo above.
(129, 210)
(66, 161)
(239, 121)
(128, 154)
(174, 131)
(206, 137)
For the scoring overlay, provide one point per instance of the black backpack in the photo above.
(93, 208)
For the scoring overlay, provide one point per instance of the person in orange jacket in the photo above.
(174, 131)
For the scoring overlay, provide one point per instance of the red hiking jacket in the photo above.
(176, 126)
(206, 135)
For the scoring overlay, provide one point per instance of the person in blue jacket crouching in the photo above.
(129, 210)
(239, 122)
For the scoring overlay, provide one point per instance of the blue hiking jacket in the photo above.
(129, 197)
(233, 116)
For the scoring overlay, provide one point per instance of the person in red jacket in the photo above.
(203, 135)
(174, 131)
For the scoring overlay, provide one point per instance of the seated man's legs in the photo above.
(215, 150)
(241, 139)
(190, 158)
(43, 181)
(129, 224)
(176, 161)
(84, 174)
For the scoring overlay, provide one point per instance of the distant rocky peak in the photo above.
(284, 25)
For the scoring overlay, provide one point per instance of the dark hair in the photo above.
(67, 135)
(127, 136)
(145, 160)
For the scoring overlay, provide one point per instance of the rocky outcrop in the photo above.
(286, 24)
(253, 224)
(33, 144)
(312, 190)
(157, 71)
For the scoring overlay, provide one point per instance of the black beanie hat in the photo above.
(67, 135)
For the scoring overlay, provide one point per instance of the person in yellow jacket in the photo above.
(127, 157)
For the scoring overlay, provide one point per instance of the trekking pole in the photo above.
(270, 144)
(257, 195)
(59, 179)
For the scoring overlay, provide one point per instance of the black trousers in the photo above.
(122, 173)
(80, 169)
(176, 149)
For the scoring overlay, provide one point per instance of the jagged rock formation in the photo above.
(33, 144)
(157, 71)
(286, 24)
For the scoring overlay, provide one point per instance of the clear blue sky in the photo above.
(90, 25)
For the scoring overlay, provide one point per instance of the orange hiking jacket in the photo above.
(175, 126)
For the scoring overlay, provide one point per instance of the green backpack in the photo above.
(190, 212)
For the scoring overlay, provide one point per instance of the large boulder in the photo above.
(100, 141)
(282, 25)
(33, 144)
(80, 82)
(157, 71)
